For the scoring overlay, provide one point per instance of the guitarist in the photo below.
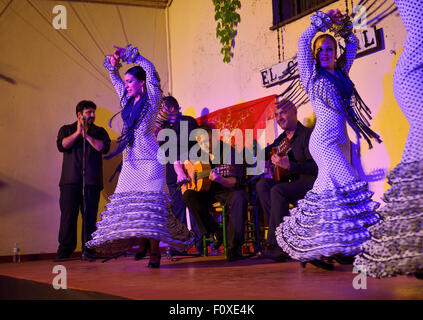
(225, 189)
(275, 196)
(173, 119)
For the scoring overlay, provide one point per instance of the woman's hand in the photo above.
(335, 15)
(117, 54)
(114, 59)
(120, 51)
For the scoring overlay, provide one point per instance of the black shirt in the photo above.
(301, 161)
(171, 176)
(72, 158)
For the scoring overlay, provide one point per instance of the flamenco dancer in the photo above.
(396, 246)
(139, 210)
(332, 219)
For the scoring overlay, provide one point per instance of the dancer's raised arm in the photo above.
(112, 64)
(131, 55)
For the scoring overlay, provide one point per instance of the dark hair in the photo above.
(85, 104)
(137, 72)
(285, 103)
(171, 102)
(341, 60)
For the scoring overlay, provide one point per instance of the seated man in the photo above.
(225, 189)
(274, 195)
(174, 120)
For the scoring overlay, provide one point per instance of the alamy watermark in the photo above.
(60, 21)
(60, 281)
(247, 151)
(360, 280)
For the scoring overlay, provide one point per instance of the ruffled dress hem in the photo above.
(133, 216)
(396, 244)
(328, 223)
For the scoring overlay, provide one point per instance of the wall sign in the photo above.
(277, 73)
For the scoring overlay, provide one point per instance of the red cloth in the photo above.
(248, 115)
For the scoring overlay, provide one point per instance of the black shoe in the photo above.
(199, 247)
(342, 259)
(173, 252)
(319, 264)
(62, 257)
(419, 274)
(275, 253)
(140, 255)
(234, 254)
(217, 240)
(154, 263)
(88, 254)
(143, 252)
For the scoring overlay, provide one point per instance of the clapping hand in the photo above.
(80, 126)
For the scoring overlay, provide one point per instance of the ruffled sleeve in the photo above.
(116, 79)
(306, 63)
(152, 78)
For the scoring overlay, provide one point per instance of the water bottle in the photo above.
(16, 254)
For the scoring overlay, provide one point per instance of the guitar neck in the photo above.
(203, 174)
(222, 170)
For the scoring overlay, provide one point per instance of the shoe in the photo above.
(319, 264)
(342, 259)
(419, 274)
(199, 247)
(217, 240)
(275, 253)
(234, 254)
(154, 263)
(173, 252)
(62, 257)
(88, 254)
(143, 252)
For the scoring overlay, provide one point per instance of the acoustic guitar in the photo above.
(199, 175)
(275, 172)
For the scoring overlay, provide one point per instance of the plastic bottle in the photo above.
(16, 254)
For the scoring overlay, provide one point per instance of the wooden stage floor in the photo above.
(212, 278)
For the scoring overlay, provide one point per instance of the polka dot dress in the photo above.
(396, 246)
(334, 216)
(140, 205)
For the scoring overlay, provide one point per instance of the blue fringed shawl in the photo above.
(355, 110)
(132, 115)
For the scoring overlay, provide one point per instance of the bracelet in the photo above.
(344, 29)
(130, 55)
(321, 21)
(109, 66)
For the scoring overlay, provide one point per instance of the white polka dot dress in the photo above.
(334, 216)
(396, 246)
(140, 205)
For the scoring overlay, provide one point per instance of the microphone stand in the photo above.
(84, 200)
